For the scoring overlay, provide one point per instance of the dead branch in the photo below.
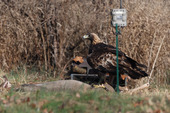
(156, 58)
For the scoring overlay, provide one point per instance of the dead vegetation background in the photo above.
(46, 34)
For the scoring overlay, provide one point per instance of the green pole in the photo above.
(117, 67)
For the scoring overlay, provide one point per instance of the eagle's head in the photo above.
(93, 38)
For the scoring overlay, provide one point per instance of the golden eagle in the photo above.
(102, 58)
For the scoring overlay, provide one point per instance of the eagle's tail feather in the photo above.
(134, 64)
(136, 70)
(136, 74)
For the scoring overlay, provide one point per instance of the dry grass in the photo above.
(47, 34)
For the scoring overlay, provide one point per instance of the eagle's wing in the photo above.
(103, 58)
(105, 48)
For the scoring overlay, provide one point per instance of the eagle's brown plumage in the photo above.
(102, 57)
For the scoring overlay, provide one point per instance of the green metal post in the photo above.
(117, 67)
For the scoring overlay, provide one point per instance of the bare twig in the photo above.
(44, 48)
(139, 88)
(61, 74)
(151, 52)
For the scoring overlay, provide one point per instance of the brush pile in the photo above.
(47, 33)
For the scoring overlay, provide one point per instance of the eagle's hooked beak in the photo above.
(85, 36)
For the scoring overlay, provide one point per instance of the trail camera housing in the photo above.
(119, 17)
